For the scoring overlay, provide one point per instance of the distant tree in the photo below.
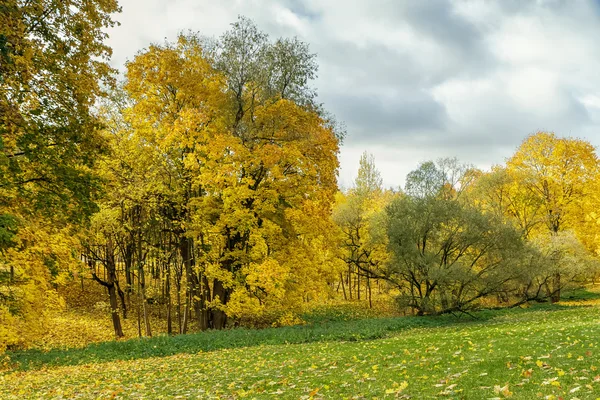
(445, 177)
(447, 254)
(558, 175)
(369, 179)
(363, 240)
(426, 181)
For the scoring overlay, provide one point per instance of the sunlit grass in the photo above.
(545, 352)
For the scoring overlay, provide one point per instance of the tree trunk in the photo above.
(196, 298)
(110, 282)
(350, 281)
(142, 280)
(369, 291)
(138, 309)
(205, 313)
(555, 296)
(168, 297)
(179, 324)
(114, 310)
(122, 297)
(128, 260)
(219, 318)
(186, 313)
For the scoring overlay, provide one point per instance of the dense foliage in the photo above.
(53, 66)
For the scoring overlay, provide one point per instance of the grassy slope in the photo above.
(540, 352)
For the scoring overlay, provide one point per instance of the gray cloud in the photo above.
(380, 118)
(417, 80)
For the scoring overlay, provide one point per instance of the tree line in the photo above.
(459, 237)
(202, 190)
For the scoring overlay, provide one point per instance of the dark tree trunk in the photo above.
(555, 296)
(128, 260)
(178, 284)
(205, 313)
(142, 284)
(186, 313)
(167, 289)
(197, 295)
(343, 286)
(219, 318)
(110, 281)
(350, 281)
(369, 291)
(122, 297)
(114, 309)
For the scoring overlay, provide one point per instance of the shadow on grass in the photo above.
(160, 346)
(582, 294)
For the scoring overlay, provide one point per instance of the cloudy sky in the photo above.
(416, 80)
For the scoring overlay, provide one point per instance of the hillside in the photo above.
(546, 351)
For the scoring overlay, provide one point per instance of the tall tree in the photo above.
(362, 233)
(559, 172)
(245, 154)
(369, 179)
(53, 67)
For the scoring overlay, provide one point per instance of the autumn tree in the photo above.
(100, 254)
(53, 65)
(286, 156)
(447, 253)
(250, 161)
(501, 193)
(362, 232)
(129, 222)
(589, 229)
(558, 171)
(557, 175)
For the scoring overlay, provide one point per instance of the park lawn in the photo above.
(546, 352)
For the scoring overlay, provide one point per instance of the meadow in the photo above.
(544, 351)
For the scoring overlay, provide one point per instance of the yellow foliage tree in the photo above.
(359, 218)
(53, 64)
(251, 168)
(549, 189)
(559, 172)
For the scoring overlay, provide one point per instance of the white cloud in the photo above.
(417, 80)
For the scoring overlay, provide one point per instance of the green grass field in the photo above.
(546, 352)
